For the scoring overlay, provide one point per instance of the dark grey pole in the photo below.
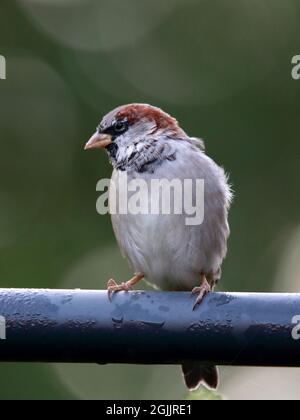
(148, 328)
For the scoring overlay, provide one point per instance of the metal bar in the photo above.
(148, 328)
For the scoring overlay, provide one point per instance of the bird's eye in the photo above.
(120, 126)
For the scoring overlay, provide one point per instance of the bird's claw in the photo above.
(113, 287)
(201, 291)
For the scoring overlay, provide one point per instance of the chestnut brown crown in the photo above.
(134, 113)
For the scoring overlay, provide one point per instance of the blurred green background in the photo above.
(223, 68)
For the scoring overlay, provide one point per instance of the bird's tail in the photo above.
(195, 374)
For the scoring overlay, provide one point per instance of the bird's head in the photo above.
(132, 129)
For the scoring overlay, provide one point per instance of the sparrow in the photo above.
(146, 143)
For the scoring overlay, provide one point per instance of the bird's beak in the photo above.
(98, 141)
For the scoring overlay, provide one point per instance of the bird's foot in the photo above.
(201, 291)
(113, 287)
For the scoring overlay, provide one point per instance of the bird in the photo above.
(146, 143)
